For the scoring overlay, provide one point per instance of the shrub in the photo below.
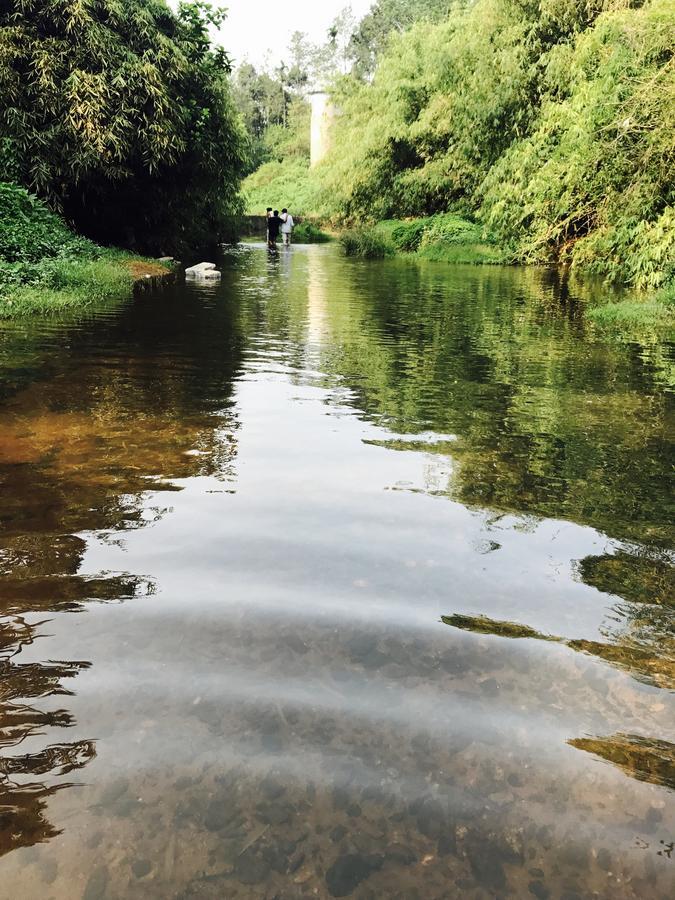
(307, 233)
(367, 243)
(407, 236)
(445, 237)
(29, 231)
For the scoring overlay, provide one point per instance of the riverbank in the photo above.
(74, 284)
(444, 238)
(45, 268)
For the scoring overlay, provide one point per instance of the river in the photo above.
(336, 578)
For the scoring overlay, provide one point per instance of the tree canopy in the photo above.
(120, 115)
(551, 122)
(386, 17)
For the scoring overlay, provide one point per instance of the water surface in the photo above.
(336, 579)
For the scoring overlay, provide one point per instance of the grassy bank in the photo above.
(445, 237)
(652, 313)
(46, 269)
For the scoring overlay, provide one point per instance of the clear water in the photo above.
(336, 579)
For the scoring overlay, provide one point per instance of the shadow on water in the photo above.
(277, 711)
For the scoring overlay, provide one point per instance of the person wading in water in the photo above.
(274, 224)
(287, 225)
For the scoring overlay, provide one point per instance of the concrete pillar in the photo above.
(323, 115)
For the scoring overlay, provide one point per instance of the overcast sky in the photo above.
(255, 26)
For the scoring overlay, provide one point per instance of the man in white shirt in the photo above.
(287, 226)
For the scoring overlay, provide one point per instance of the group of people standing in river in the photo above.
(277, 224)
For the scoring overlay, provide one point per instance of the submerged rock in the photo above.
(251, 869)
(141, 867)
(348, 871)
(96, 885)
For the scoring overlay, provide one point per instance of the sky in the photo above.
(255, 26)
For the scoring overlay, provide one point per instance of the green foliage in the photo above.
(263, 103)
(290, 141)
(30, 232)
(308, 233)
(283, 181)
(634, 315)
(385, 18)
(280, 184)
(120, 115)
(445, 237)
(550, 122)
(45, 268)
(450, 238)
(368, 243)
(407, 236)
(592, 183)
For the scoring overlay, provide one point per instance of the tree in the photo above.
(369, 40)
(120, 115)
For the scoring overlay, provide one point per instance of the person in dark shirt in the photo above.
(274, 224)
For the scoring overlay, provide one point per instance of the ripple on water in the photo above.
(335, 579)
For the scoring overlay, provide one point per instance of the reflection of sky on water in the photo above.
(278, 694)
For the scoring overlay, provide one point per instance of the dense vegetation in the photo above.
(46, 268)
(120, 116)
(282, 177)
(385, 17)
(445, 237)
(549, 125)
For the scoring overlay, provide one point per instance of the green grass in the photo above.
(472, 254)
(61, 285)
(368, 243)
(308, 233)
(45, 268)
(66, 284)
(445, 237)
(655, 313)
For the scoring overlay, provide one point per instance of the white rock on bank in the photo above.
(203, 270)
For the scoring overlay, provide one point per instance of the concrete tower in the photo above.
(323, 116)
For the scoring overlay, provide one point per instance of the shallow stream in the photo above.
(338, 578)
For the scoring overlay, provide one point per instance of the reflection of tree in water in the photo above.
(641, 635)
(27, 780)
(126, 411)
(547, 422)
(641, 640)
(643, 758)
(23, 806)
